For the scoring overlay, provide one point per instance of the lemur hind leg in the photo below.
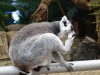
(58, 58)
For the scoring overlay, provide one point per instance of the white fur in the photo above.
(64, 29)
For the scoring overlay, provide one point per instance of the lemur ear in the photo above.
(64, 18)
(64, 21)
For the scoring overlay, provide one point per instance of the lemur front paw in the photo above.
(71, 35)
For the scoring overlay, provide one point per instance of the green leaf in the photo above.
(94, 4)
(8, 7)
(95, 13)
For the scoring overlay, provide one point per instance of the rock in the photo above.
(87, 51)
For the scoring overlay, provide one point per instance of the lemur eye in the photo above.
(65, 24)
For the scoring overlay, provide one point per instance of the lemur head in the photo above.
(65, 25)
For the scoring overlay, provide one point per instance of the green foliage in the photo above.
(96, 12)
(94, 5)
(3, 18)
(5, 6)
(68, 8)
(28, 7)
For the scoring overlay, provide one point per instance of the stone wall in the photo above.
(5, 39)
(3, 45)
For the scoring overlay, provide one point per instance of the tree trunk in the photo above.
(41, 14)
(82, 4)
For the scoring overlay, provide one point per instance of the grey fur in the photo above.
(36, 45)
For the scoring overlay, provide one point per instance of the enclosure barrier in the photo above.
(56, 68)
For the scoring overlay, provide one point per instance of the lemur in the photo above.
(37, 44)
